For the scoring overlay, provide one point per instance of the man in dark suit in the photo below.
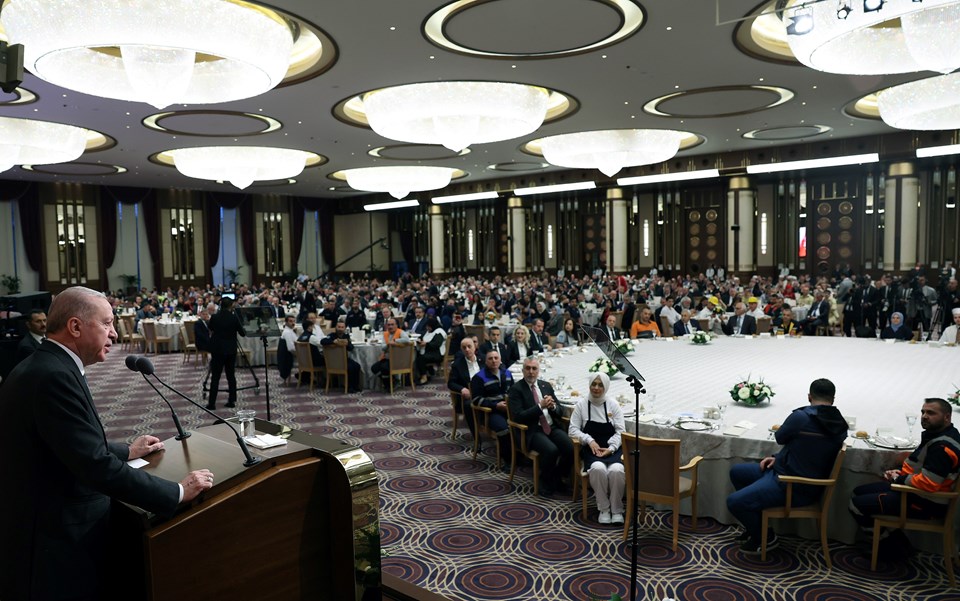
(493, 343)
(533, 403)
(339, 336)
(613, 332)
(538, 338)
(36, 331)
(685, 325)
(224, 328)
(818, 315)
(418, 325)
(740, 324)
(61, 472)
(464, 367)
(201, 331)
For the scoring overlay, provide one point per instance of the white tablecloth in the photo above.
(877, 382)
(169, 328)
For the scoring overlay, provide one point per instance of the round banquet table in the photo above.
(170, 328)
(877, 382)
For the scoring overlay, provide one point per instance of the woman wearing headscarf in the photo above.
(598, 422)
(897, 329)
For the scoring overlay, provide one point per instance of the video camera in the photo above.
(11, 66)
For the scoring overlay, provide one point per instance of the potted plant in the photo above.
(129, 283)
(11, 283)
(233, 275)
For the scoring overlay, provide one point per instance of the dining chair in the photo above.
(481, 426)
(153, 341)
(305, 363)
(818, 511)
(401, 355)
(187, 346)
(518, 432)
(335, 358)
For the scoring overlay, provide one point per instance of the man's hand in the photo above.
(767, 463)
(143, 446)
(196, 482)
(548, 402)
(891, 475)
(502, 406)
(465, 394)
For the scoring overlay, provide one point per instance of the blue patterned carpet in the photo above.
(457, 528)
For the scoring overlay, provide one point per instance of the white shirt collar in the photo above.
(73, 356)
(36, 337)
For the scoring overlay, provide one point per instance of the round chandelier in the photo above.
(239, 165)
(932, 103)
(875, 37)
(30, 142)
(456, 114)
(159, 52)
(398, 181)
(611, 150)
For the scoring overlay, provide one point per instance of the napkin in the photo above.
(740, 428)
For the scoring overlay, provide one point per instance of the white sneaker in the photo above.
(617, 518)
(604, 517)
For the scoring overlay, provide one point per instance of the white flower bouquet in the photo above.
(365, 327)
(624, 346)
(751, 393)
(701, 337)
(603, 365)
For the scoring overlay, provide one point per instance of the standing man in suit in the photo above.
(685, 325)
(740, 323)
(224, 328)
(36, 332)
(532, 402)
(308, 303)
(61, 472)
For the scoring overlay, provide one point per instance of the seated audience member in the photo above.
(685, 325)
(418, 324)
(519, 347)
(804, 299)
(897, 329)
(430, 350)
(392, 335)
(753, 308)
(533, 403)
(740, 324)
(286, 348)
(493, 343)
(613, 332)
(464, 367)
(952, 333)
(932, 467)
(811, 437)
(786, 325)
(667, 310)
(385, 313)
(488, 388)
(539, 340)
(598, 422)
(340, 336)
(567, 336)
(457, 332)
(818, 315)
(356, 317)
(311, 334)
(36, 332)
(645, 327)
(201, 330)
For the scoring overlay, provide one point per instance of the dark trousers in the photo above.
(757, 490)
(556, 456)
(218, 364)
(873, 499)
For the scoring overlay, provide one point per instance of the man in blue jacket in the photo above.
(811, 438)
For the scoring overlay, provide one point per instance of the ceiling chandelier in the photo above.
(29, 142)
(159, 52)
(611, 150)
(456, 114)
(874, 37)
(932, 103)
(239, 165)
(398, 181)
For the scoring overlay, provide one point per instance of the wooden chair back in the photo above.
(335, 360)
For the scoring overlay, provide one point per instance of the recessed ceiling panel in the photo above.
(211, 123)
(415, 152)
(76, 169)
(721, 101)
(789, 132)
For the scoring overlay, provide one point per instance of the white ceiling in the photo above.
(380, 43)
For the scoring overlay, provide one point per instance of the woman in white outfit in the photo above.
(598, 423)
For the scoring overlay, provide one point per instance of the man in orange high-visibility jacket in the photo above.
(933, 467)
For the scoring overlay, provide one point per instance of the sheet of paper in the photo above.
(735, 431)
(137, 463)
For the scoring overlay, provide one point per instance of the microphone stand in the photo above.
(181, 435)
(638, 389)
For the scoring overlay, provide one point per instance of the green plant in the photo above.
(11, 283)
(233, 275)
(129, 279)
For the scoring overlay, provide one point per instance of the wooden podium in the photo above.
(301, 524)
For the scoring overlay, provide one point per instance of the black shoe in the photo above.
(211, 406)
(563, 487)
(231, 405)
(895, 547)
(752, 547)
(742, 537)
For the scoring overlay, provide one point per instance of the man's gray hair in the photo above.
(77, 301)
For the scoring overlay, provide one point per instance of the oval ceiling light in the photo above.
(456, 114)
(239, 165)
(398, 181)
(160, 52)
(30, 142)
(611, 150)
(875, 38)
(927, 104)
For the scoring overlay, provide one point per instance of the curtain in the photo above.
(326, 228)
(151, 223)
(401, 224)
(27, 197)
(211, 211)
(247, 238)
(108, 237)
(296, 232)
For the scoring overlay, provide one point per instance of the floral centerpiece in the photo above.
(178, 315)
(365, 327)
(491, 316)
(624, 345)
(954, 398)
(701, 337)
(603, 365)
(751, 393)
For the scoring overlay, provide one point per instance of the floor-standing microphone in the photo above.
(132, 365)
(145, 366)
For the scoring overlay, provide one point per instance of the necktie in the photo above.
(544, 424)
(958, 335)
(686, 326)
(736, 325)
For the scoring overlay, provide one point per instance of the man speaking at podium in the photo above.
(58, 469)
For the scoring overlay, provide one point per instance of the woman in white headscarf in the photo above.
(598, 422)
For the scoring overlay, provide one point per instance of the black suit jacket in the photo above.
(460, 373)
(513, 352)
(225, 326)
(679, 330)
(60, 475)
(823, 312)
(748, 328)
(487, 346)
(524, 410)
(201, 335)
(536, 341)
(26, 348)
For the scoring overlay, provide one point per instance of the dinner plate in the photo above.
(695, 425)
(891, 442)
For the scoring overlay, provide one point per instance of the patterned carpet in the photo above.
(455, 527)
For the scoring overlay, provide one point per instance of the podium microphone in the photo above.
(132, 365)
(145, 367)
